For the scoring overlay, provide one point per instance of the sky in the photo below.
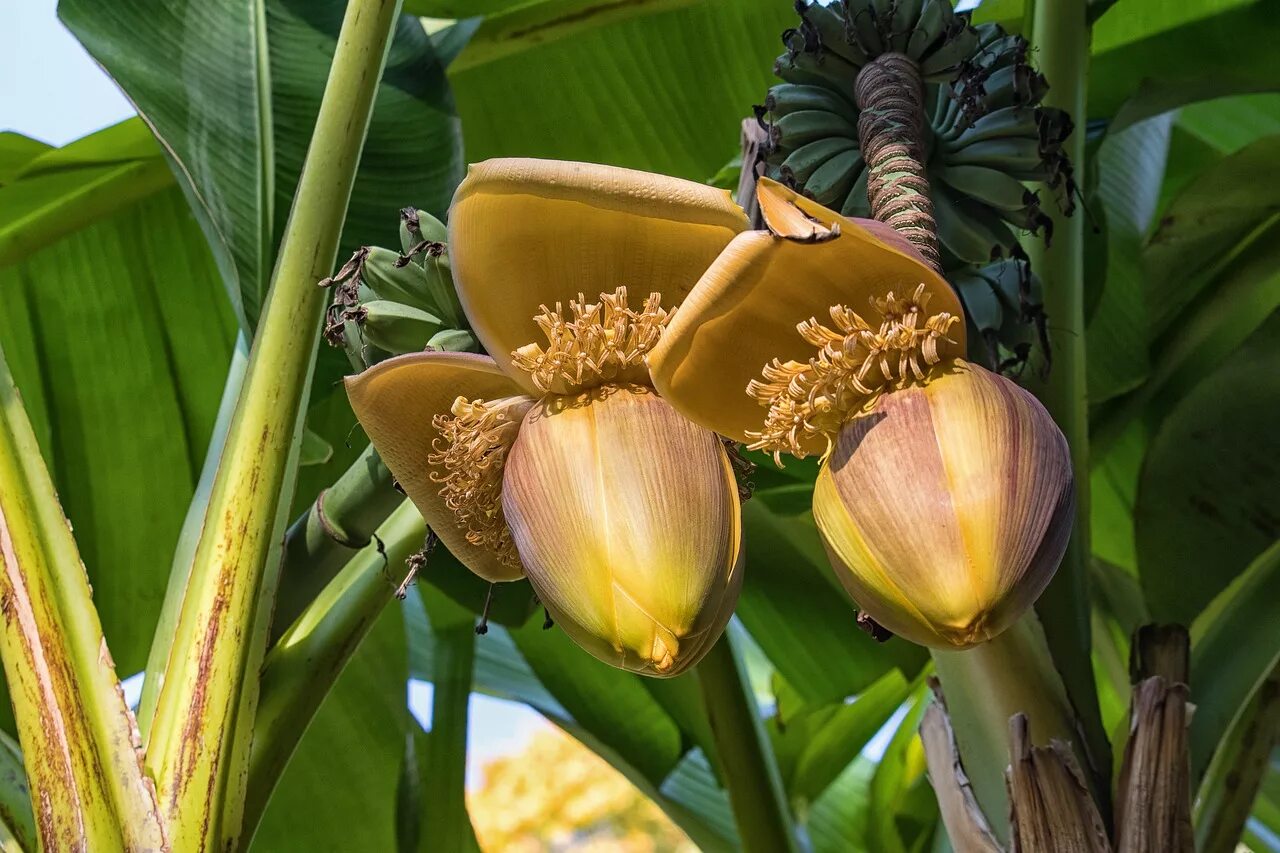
(50, 89)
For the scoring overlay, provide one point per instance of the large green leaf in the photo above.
(119, 336)
(816, 745)
(1130, 167)
(339, 790)
(1150, 56)
(1207, 503)
(659, 85)
(1229, 124)
(202, 84)
(1235, 645)
(232, 89)
(16, 151)
(610, 703)
(52, 192)
(806, 624)
(1200, 228)
(609, 711)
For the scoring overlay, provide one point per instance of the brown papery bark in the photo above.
(1153, 802)
(1051, 808)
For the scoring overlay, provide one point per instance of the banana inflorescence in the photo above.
(985, 135)
(387, 303)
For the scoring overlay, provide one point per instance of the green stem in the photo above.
(305, 663)
(77, 735)
(984, 687)
(340, 523)
(443, 764)
(747, 763)
(198, 752)
(192, 525)
(1239, 765)
(1060, 38)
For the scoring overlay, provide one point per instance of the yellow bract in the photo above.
(556, 457)
(528, 233)
(745, 310)
(627, 518)
(398, 402)
(946, 509)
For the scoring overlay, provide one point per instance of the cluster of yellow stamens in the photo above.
(599, 343)
(855, 362)
(470, 452)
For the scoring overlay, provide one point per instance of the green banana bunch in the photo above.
(834, 42)
(987, 132)
(1004, 313)
(386, 303)
(395, 327)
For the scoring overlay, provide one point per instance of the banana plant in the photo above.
(904, 138)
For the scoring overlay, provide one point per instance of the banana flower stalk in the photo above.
(554, 457)
(945, 494)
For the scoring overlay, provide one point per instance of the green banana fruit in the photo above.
(795, 129)
(857, 204)
(384, 273)
(1008, 123)
(829, 27)
(864, 28)
(831, 182)
(943, 63)
(930, 26)
(454, 340)
(418, 226)
(967, 230)
(981, 305)
(992, 187)
(439, 281)
(903, 15)
(802, 162)
(396, 327)
(1015, 154)
(787, 98)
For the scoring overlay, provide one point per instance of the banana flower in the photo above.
(554, 457)
(945, 494)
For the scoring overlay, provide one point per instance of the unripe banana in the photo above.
(989, 186)
(795, 129)
(1015, 155)
(1017, 85)
(902, 15)
(981, 305)
(857, 204)
(831, 182)
(454, 340)
(969, 231)
(396, 327)
(383, 273)
(827, 69)
(863, 29)
(802, 162)
(789, 98)
(1007, 123)
(439, 279)
(832, 32)
(418, 226)
(929, 28)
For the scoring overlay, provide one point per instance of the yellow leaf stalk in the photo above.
(945, 497)
(555, 458)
